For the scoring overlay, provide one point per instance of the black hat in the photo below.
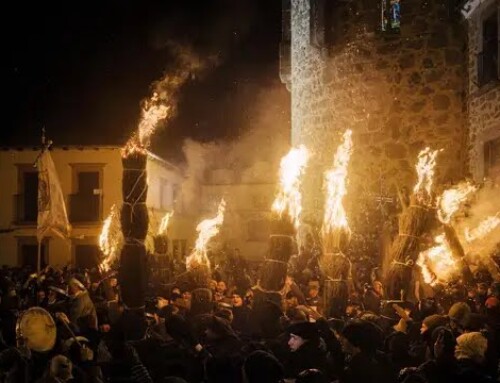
(363, 334)
(263, 367)
(220, 326)
(306, 330)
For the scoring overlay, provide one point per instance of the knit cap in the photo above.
(471, 345)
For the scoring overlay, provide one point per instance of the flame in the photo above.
(152, 113)
(289, 198)
(449, 202)
(425, 171)
(111, 238)
(207, 229)
(335, 179)
(437, 263)
(164, 223)
(483, 229)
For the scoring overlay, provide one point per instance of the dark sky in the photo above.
(81, 68)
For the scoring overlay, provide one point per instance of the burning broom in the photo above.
(413, 222)
(335, 266)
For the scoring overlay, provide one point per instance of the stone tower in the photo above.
(399, 90)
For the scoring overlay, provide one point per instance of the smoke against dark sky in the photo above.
(81, 69)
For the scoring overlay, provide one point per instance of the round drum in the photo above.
(38, 329)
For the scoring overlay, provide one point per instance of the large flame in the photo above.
(449, 202)
(336, 179)
(437, 263)
(425, 171)
(207, 229)
(483, 229)
(153, 111)
(289, 198)
(111, 238)
(163, 229)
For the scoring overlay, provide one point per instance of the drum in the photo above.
(38, 329)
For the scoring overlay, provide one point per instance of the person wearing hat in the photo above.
(262, 367)
(221, 340)
(360, 341)
(470, 352)
(81, 305)
(458, 315)
(304, 349)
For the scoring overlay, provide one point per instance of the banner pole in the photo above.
(39, 257)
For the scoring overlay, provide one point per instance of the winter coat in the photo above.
(309, 355)
(366, 368)
(468, 371)
(82, 306)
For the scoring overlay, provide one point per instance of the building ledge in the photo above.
(469, 7)
(485, 89)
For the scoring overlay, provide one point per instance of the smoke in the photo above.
(161, 107)
(252, 158)
(484, 204)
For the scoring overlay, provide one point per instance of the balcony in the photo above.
(26, 209)
(85, 208)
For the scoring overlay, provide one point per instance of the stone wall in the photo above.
(483, 103)
(398, 93)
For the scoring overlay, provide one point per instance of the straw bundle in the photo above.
(413, 222)
(274, 270)
(336, 268)
(132, 275)
(134, 220)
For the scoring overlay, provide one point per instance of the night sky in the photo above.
(81, 68)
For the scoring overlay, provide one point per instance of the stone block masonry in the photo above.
(398, 92)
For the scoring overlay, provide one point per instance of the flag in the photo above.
(52, 214)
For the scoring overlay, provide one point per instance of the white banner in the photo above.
(52, 214)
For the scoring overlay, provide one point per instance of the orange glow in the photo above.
(336, 181)
(152, 113)
(449, 202)
(207, 229)
(437, 263)
(110, 239)
(289, 197)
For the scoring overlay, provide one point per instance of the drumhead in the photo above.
(38, 328)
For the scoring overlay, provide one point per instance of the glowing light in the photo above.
(483, 229)
(449, 202)
(207, 229)
(437, 263)
(163, 229)
(289, 197)
(425, 171)
(111, 238)
(336, 180)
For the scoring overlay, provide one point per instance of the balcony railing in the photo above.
(26, 209)
(487, 67)
(85, 208)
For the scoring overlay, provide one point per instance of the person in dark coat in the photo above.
(442, 368)
(81, 304)
(305, 350)
(221, 340)
(241, 313)
(360, 340)
(262, 367)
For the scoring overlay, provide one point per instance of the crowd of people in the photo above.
(209, 334)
